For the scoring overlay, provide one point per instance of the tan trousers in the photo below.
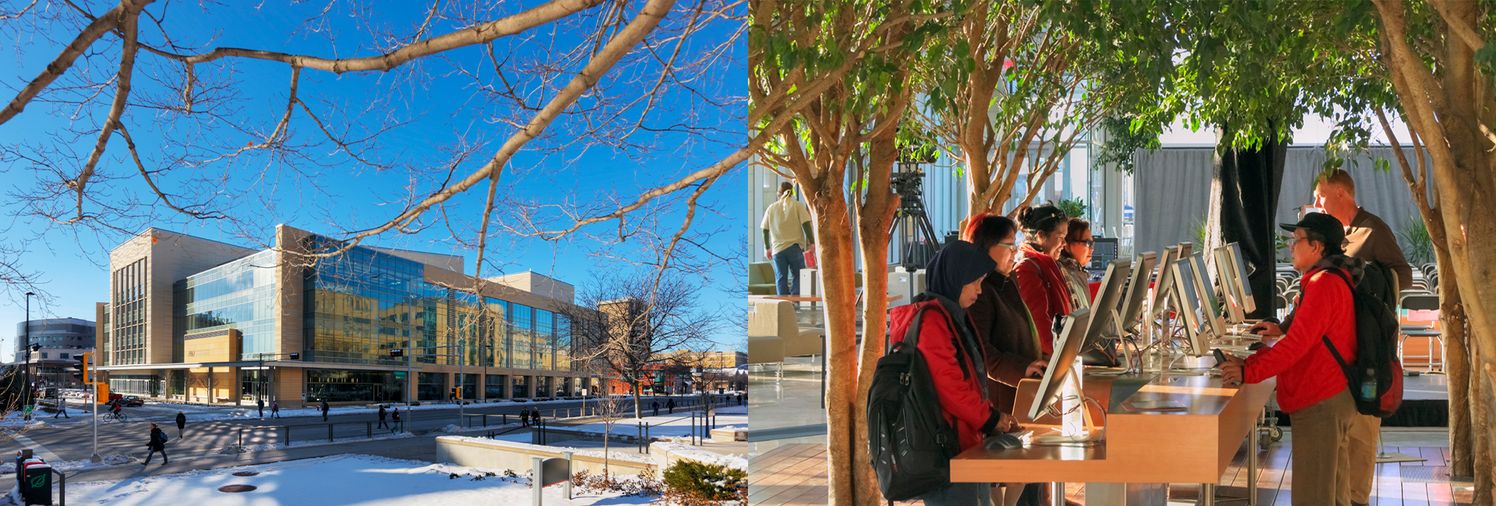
(1366, 434)
(1321, 440)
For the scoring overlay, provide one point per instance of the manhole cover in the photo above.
(234, 489)
(246, 473)
(1425, 473)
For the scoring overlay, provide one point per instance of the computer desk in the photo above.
(1143, 451)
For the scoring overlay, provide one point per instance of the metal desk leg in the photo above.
(1207, 494)
(1057, 494)
(1252, 448)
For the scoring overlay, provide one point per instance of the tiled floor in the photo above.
(795, 474)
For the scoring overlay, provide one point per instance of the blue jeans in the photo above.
(961, 494)
(787, 265)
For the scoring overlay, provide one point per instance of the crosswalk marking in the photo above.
(37, 449)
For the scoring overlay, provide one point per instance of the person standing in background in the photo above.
(786, 226)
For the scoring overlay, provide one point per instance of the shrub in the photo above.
(688, 479)
(1074, 208)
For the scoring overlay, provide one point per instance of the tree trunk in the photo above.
(1457, 359)
(635, 389)
(873, 220)
(837, 271)
(1245, 191)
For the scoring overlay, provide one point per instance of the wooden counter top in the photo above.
(1191, 442)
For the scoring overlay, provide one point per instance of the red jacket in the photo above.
(957, 378)
(1307, 373)
(1042, 285)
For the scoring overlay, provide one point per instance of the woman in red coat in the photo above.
(1040, 280)
(953, 352)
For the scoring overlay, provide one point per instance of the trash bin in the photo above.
(37, 487)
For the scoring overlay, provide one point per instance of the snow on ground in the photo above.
(343, 479)
(699, 454)
(69, 466)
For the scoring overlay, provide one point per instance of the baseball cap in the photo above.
(1320, 223)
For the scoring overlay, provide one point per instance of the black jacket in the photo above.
(181, 420)
(1007, 332)
(158, 440)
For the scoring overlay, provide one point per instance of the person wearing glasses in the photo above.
(1311, 386)
(1040, 278)
(1005, 328)
(1074, 257)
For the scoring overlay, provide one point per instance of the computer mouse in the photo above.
(1003, 442)
(1256, 346)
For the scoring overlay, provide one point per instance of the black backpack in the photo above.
(1376, 377)
(1380, 282)
(909, 440)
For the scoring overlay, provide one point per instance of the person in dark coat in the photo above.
(181, 423)
(952, 349)
(156, 444)
(260, 404)
(1004, 326)
(396, 417)
(324, 410)
(524, 418)
(275, 409)
(670, 404)
(656, 406)
(383, 414)
(535, 416)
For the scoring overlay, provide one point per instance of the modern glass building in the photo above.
(200, 321)
(58, 342)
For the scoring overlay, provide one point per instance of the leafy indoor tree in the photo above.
(1252, 71)
(840, 147)
(1013, 93)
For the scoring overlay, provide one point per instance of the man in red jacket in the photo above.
(1311, 386)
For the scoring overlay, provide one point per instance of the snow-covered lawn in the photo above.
(343, 479)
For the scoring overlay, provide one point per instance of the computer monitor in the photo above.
(1187, 299)
(1066, 348)
(1163, 282)
(1107, 296)
(1226, 276)
(1210, 306)
(1243, 278)
(1136, 292)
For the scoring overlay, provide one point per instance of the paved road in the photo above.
(72, 439)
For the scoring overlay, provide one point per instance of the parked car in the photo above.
(131, 401)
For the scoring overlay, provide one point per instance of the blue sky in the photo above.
(430, 107)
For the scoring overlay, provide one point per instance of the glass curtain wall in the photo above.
(239, 295)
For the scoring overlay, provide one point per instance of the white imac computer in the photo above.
(1062, 369)
(1243, 280)
(1104, 317)
(1163, 282)
(1136, 292)
(1187, 300)
(1210, 307)
(1226, 276)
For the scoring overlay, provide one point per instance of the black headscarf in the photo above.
(957, 264)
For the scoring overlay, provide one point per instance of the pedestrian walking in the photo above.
(535, 416)
(398, 426)
(656, 406)
(260, 404)
(670, 404)
(275, 409)
(181, 424)
(324, 410)
(156, 444)
(524, 418)
(62, 408)
(382, 414)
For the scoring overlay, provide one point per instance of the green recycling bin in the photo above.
(36, 487)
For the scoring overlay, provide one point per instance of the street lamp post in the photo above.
(26, 369)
